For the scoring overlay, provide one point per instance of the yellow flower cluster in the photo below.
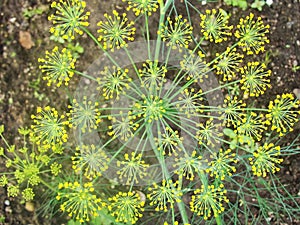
(209, 200)
(228, 63)
(115, 31)
(220, 166)
(113, 82)
(255, 79)
(133, 169)
(152, 74)
(164, 196)
(188, 165)
(252, 34)
(282, 113)
(90, 159)
(79, 201)
(84, 114)
(69, 18)
(126, 207)
(252, 125)
(142, 6)
(57, 66)
(178, 33)
(215, 25)
(265, 160)
(49, 127)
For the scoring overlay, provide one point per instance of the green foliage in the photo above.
(239, 3)
(29, 13)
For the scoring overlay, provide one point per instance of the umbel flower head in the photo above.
(115, 31)
(84, 115)
(265, 160)
(164, 196)
(132, 169)
(252, 34)
(49, 127)
(57, 66)
(177, 33)
(142, 6)
(79, 200)
(126, 207)
(282, 113)
(215, 25)
(90, 159)
(69, 18)
(255, 78)
(208, 200)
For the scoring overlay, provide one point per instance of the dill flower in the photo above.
(152, 74)
(255, 79)
(113, 82)
(208, 132)
(194, 66)
(265, 160)
(29, 172)
(142, 6)
(228, 63)
(252, 125)
(57, 66)
(187, 165)
(209, 199)
(126, 207)
(132, 169)
(189, 101)
(232, 111)
(220, 166)
(164, 196)
(115, 31)
(84, 114)
(282, 114)
(169, 141)
(13, 190)
(215, 25)
(122, 126)
(90, 159)
(79, 200)
(177, 33)
(49, 127)
(28, 194)
(69, 18)
(252, 34)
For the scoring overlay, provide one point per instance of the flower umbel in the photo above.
(84, 114)
(142, 6)
(132, 169)
(215, 25)
(164, 196)
(177, 33)
(126, 207)
(69, 18)
(79, 200)
(90, 159)
(115, 31)
(282, 113)
(58, 66)
(252, 34)
(208, 200)
(265, 160)
(255, 79)
(113, 82)
(49, 127)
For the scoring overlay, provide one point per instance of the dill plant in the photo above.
(156, 139)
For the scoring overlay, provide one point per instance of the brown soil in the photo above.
(22, 89)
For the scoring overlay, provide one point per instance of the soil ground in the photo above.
(22, 89)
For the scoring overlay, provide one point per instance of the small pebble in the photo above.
(296, 91)
(7, 202)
